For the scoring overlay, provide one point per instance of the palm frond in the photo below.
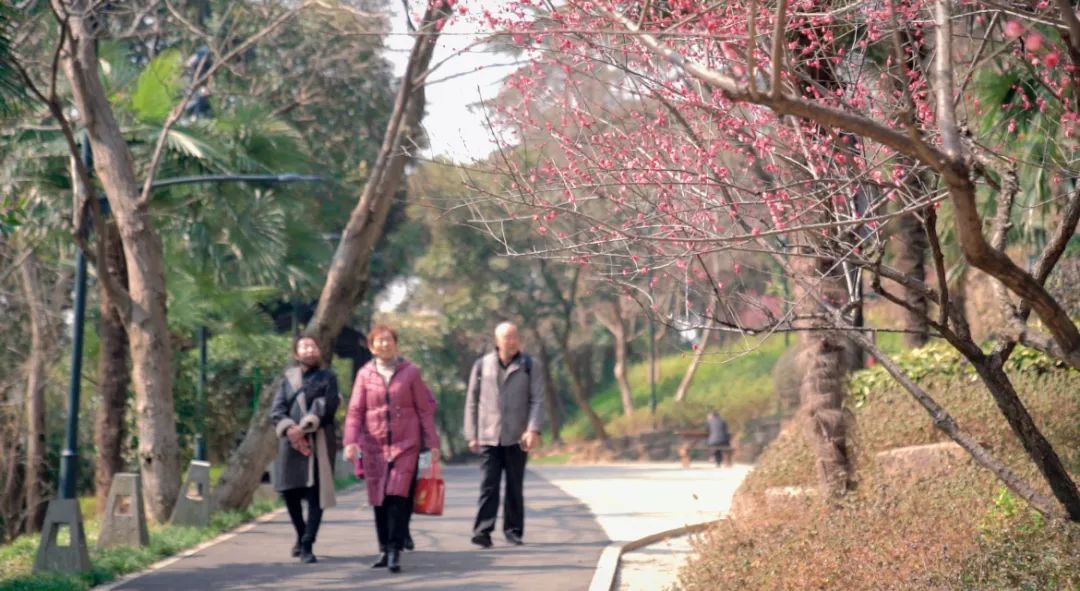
(12, 90)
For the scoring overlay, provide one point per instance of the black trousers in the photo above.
(305, 531)
(392, 522)
(393, 517)
(497, 459)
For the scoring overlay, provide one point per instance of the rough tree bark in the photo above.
(145, 312)
(347, 280)
(36, 481)
(822, 390)
(109, 423)
(912, 246)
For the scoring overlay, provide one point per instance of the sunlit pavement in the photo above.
(633, 500)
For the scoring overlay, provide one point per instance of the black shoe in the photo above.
(306, 554)
(514, 539)
(393, 561)
(409, 545)
(383, 558)
(296, 550)
(482, 540)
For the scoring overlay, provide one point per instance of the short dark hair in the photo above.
(380, 329)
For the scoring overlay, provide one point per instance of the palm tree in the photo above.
(12, 89)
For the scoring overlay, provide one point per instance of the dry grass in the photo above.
(960, 531)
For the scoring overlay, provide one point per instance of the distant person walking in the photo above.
(303, 418)
(391, 418)
(503, 415)
(719, 440)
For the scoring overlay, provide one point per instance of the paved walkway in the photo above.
(573, 513)
(634, 500)
(563, 544)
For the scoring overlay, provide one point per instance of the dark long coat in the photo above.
(322, 398)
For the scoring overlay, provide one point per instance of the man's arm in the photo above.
(472, 404)
(536, 398)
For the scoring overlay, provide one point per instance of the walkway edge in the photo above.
(608, 565)
(192, 551)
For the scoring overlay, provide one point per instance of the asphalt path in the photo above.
(563, 542)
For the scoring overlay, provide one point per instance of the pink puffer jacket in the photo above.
(390, 427)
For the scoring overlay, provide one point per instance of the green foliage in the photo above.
(158, 87)
(232, 361)
(937, 359)
(1020, 549)
(735, 379)
(12, 89)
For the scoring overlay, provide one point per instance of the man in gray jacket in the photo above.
(503, 414)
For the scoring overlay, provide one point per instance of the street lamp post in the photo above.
(70, 454)
(63, 512)
(200, 400)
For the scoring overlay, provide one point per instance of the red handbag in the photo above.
(430, 492)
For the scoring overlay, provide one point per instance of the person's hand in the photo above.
(298, 440)
(352, 451)
(435, 456)
(474, 446)
(530, 440)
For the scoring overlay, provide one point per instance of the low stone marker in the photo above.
(266, 491)
(63, 541)
(124, 523)
(904, 466)
(193, 506)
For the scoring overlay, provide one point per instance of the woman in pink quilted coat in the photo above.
(391, 418)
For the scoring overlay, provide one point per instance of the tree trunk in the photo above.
(347, 280)
(625, 392)
(110, 424)
(159, 454)
(577, 388)
(822, 388)
(912, 245)
(11, 477)
(1035, 444)
(688, 377)
(616, 325)
(36, 481)
(550, 394)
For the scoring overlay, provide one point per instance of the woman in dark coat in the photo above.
(303, 418)
(391, 418)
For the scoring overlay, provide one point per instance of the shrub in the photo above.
(957, 531)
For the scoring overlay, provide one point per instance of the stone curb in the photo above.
(608, 565)
(192, 551)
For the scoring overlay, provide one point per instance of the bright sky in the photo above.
(455, 129)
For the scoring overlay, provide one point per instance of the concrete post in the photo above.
(193, 506)
(124, 523)
(63, 541)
